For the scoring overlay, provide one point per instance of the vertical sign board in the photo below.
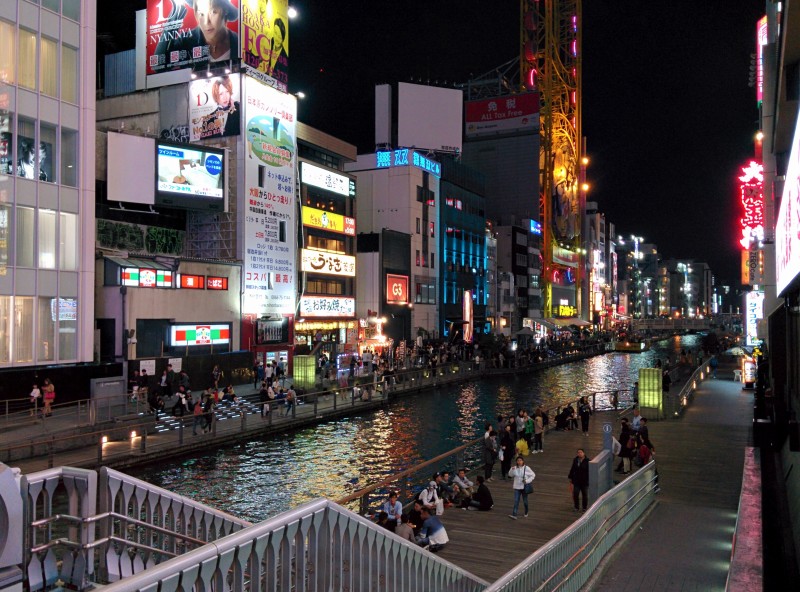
(265, 41)
(650, 393)
(468, 317)
(269, 213)
(754, 311)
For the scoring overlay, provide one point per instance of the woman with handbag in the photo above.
(49, 395)
(523, 477)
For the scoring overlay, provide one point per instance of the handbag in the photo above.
(528, 488)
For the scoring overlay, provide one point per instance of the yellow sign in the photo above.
(265, 40)
(329, 221)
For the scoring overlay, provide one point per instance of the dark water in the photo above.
(261, 478)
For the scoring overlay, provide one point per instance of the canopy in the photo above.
(545, 323)
(525, 331)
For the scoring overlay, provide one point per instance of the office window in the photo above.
(47, 239)
(425, 293)
(68, 331)
(433, 261)
(25, 229)
(71, 9)
(7, 164)
(46, 327)
(6, 222)
(69, 74)
(417, 258)
(28, 58)
(47, 153)
(418, 226)
(8, 54)
(25, 159)
(6, 317)
(432, 229)
(68, 242)
(48, 68)
(53, 5)
(326, 244)
(23, 328)
(69, 157)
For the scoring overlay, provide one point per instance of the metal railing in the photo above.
(318, 546)
(566, 562)
(685, 396)
(138, 526)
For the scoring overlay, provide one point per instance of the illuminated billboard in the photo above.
(329, 221)
(396, 288)
(199, 335)
(502, 114)
(190, 177)
(752, 267)
(265, 41)
(761, 41)
(754, 312)
(214, 108)
(468, 318)
(787, 228)
(183, 34)
(315, 261)
(406, 157)
(270, 208)
(327, 306)
(326, 179)
(751, 196)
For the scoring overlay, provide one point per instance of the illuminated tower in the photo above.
(550, 63)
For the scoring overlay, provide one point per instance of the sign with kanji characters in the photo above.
(327, 306)
(329, 221)
(199, 334)
(328, 263)
(751, 189)
(502, 114)
(270, 219)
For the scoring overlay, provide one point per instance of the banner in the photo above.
(331, 306)
(270, 221)
(752, 267)
(186, 34)
(329, 221)
(265, 41)
(327, 263)
(467, 313)
(502, 114)
(214, 109)
(199, 334)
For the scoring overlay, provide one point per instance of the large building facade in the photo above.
(47, 154)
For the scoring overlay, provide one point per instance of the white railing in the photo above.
(566, 562)
(318, 546)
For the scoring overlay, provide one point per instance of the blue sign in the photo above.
(214, 164)
(536, 227)
(400, 157)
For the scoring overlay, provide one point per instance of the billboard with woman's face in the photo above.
(190, 33)
(214, 109)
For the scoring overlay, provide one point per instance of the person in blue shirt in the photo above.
(394, 510)
(432, 535)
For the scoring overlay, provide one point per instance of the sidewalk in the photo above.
(684, 543)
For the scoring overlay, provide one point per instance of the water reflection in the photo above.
(261, 478)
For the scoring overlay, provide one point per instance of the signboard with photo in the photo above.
(214, 110)
(265, 41)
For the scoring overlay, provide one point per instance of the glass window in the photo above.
(6, 318)
(68, 329)
(69, 74)
(68, 242)
(8, 54)
(48, 68)
(24, 237)
(23, 328)
(72, 9)
(5, 233)
(47, 239)
(69, 157)
(26, 149)
(46, 327)
(27, 59)
(53, 5)
(6, 142)
(47, 153)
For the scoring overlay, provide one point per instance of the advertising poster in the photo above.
(34, 161)
(329, 221)
(265, 41)
(502, 114)
(270, 210)
(214, 107)
(191, 33)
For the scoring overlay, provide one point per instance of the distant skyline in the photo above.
(667, 113)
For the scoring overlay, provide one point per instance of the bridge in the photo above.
(76, 528)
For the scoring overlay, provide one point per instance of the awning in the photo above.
(569, 322)
(546, 323)
(138, 263)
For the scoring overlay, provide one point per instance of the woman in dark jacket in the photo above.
(626, 452)
(508, 447)
(489, 454)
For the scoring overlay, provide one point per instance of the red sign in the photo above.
(216, 283)
(751, 187)
(350, 226)
(191, 282)
(396, 288)
(502, 114)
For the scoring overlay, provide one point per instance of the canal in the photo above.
(261, 478)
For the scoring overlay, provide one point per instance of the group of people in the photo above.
(42, 399)
(268, 396)
(514, 435)
(633, 447)
(270, 372)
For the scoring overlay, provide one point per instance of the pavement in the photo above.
(684, 542)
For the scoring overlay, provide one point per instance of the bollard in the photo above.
(143, 441)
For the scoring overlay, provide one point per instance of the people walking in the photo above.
(538, 432)
(523, 477)
(627, 447)
(585, 412)
(490, 452)
(579, 480)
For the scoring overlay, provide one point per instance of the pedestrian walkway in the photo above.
(685, 541)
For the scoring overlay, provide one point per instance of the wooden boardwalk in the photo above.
(488, 544)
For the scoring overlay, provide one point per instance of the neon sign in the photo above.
(754, 312)
(406, 157)
(751, 191)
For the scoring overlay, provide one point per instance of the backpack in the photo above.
(630, 444)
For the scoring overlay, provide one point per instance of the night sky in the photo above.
(668, 114)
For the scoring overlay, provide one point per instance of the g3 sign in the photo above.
(396, 288)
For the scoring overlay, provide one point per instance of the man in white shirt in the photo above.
(428, 497)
